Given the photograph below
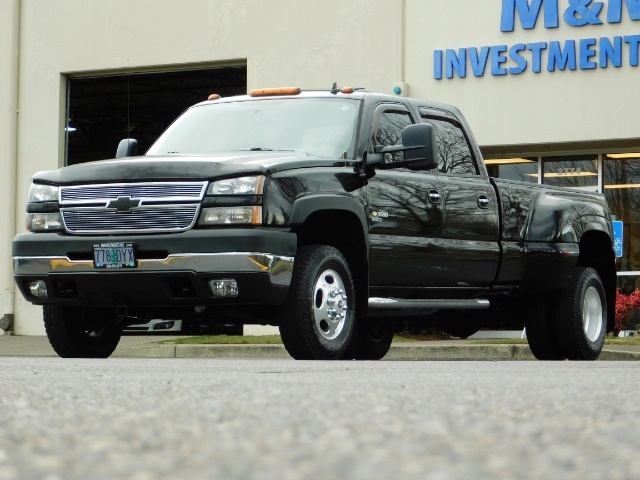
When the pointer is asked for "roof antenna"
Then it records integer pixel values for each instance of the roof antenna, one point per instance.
(128, 105)
(128, 147)
(334, 89)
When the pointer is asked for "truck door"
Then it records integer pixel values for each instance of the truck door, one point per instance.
(406, 213)
(471, 215)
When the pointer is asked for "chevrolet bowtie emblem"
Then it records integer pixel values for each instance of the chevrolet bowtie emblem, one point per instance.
(123, 204)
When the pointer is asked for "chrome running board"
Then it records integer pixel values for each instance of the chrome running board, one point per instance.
(409, 307)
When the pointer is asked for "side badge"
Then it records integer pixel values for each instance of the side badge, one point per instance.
(379, 215)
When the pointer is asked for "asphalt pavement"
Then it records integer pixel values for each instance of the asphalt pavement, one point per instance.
(276, 419)
(147, 346)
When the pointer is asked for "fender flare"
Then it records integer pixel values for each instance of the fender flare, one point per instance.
(563, 218)
(309, 204)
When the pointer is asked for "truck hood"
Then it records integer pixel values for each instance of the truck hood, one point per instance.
(174, 167)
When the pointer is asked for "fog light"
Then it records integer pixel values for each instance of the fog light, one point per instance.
(224, 288)
(38, 289)
(163, 326)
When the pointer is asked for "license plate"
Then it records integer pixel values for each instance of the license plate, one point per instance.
(114, 255)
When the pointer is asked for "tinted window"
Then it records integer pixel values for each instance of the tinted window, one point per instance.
(389, 132)
(454, 153)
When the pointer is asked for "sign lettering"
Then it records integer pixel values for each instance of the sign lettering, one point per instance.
(579, 54)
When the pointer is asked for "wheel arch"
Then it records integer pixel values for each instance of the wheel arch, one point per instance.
(558, 217)
(342, 225)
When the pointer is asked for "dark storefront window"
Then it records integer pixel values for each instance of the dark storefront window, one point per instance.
(622, 190)
(522, 169)
(573, 171)
(104, 109)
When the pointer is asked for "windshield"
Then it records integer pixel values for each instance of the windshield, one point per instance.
(318, 127)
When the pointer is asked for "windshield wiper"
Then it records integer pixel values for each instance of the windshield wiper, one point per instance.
(261, 149)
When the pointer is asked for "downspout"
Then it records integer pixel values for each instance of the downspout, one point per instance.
(9, 189)
(403, 46)
(402, 88)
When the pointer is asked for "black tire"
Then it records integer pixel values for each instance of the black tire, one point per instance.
(81, 333)
(581, 316)
(371, 339)
(541, 334)
(317, 321)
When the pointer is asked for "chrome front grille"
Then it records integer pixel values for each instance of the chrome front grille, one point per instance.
(131, 208)
(142, 191)
(145, 219)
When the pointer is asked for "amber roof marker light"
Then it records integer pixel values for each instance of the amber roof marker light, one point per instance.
(214, 96)
(335, 90)
(270, 92)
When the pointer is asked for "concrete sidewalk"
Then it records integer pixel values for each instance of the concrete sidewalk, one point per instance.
(145, 346)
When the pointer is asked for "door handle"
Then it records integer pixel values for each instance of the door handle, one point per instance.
(434, 197)
(483, 201)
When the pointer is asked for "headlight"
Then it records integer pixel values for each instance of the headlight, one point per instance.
(43, 193)
(44, 222)
(241, 207)
(237, 186)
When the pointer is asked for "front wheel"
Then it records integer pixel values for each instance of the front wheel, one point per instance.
(317, 321)
(581, 316)
(81, 332)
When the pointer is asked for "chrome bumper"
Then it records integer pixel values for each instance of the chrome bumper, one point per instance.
(279, 268)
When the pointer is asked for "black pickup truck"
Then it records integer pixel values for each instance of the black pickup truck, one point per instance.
(332, 214)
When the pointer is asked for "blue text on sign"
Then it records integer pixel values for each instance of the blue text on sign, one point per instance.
(580, 54)
(578, 13)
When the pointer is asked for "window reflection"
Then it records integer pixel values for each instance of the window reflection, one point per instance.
(390, 127)
(523, 169)
(454, 153)
(622, 190)
(574, 171)
(628, 283)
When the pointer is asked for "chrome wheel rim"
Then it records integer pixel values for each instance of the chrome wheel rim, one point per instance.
(330, 304)
(592, 314)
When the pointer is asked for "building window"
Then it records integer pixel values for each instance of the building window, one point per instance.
(522, 169)
(572, 171)
(104, 109)
(622, 190)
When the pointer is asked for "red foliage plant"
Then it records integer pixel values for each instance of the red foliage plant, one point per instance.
(624, 304)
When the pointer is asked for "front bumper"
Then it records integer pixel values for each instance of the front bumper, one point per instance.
(173, 269)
